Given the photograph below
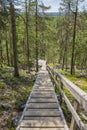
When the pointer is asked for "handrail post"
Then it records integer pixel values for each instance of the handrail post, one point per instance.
(73, 123)
(55, 77)
(61, 98)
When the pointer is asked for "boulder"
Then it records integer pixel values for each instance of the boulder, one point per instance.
(6, 106)
(22, 106)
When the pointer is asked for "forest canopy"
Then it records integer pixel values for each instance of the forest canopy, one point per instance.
(29, 33)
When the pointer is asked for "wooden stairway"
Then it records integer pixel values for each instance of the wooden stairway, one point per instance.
(42, 111)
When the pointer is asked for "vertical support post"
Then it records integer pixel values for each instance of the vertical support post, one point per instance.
(61, 99)
(55, 77)
(73, 123)
(52, 72)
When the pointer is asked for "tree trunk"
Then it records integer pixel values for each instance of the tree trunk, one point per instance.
(73, 44)
(11, 52)
(1, 57)
(36, 37)
(27, 35)
(43, 45)
(14, 39)
(7, 52)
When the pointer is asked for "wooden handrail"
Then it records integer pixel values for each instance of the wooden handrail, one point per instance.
(79, 95)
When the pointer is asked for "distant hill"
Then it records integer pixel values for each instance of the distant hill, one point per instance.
(52, 13)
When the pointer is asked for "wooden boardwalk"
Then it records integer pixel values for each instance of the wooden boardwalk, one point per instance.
(42, 111)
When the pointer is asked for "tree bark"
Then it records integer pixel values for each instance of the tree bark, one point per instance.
(1, 57)
(36, 37)
(27, 35)
(14, 39)
(73, 44)
(7, 52)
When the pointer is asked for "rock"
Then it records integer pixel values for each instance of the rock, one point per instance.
(22, 106)
(3, 77)
(6, 106)
(13, 101)
(16, 120)
(7, 113)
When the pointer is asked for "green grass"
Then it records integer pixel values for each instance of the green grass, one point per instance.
(78, 80)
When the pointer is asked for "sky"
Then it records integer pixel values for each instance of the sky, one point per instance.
(55, 4)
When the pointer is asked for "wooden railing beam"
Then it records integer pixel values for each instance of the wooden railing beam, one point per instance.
(79, 94)
(76, 92)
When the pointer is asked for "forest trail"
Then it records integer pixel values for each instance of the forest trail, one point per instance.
(42, 110)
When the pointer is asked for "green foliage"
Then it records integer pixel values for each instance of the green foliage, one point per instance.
(67, 113)
(2, 84)
(14, 91)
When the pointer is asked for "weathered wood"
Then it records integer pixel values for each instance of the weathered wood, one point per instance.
(42, 129)
(75, 115)
(43, 88)
(73, 123)
(43, 92)
(49, 100)
(42, 105)
(79, 94)
(70, 107)
(44, 112)
(43, 123)
(39, 95)
(43, 118)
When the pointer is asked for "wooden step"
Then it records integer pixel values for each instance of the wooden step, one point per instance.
(49, 100)
(44, 112)
(42, 128)
(36, 94)
(42, 118)
(41, 89)
(43, 123)
(42, 105)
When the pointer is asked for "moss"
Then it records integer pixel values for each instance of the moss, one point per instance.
(12, 128)
(9, 123)
(57, 90)
(76, 79)
(80, 82)
(2, 85)
(14, 91)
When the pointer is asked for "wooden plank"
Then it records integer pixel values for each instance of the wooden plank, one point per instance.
(36, 100)
(42, 123)
(42, 105)
(42, 118)
(44, 112)
(75, 115)
(45, 89)
(36, 95)
(42, 129)
(73, 122)
(43, 92)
